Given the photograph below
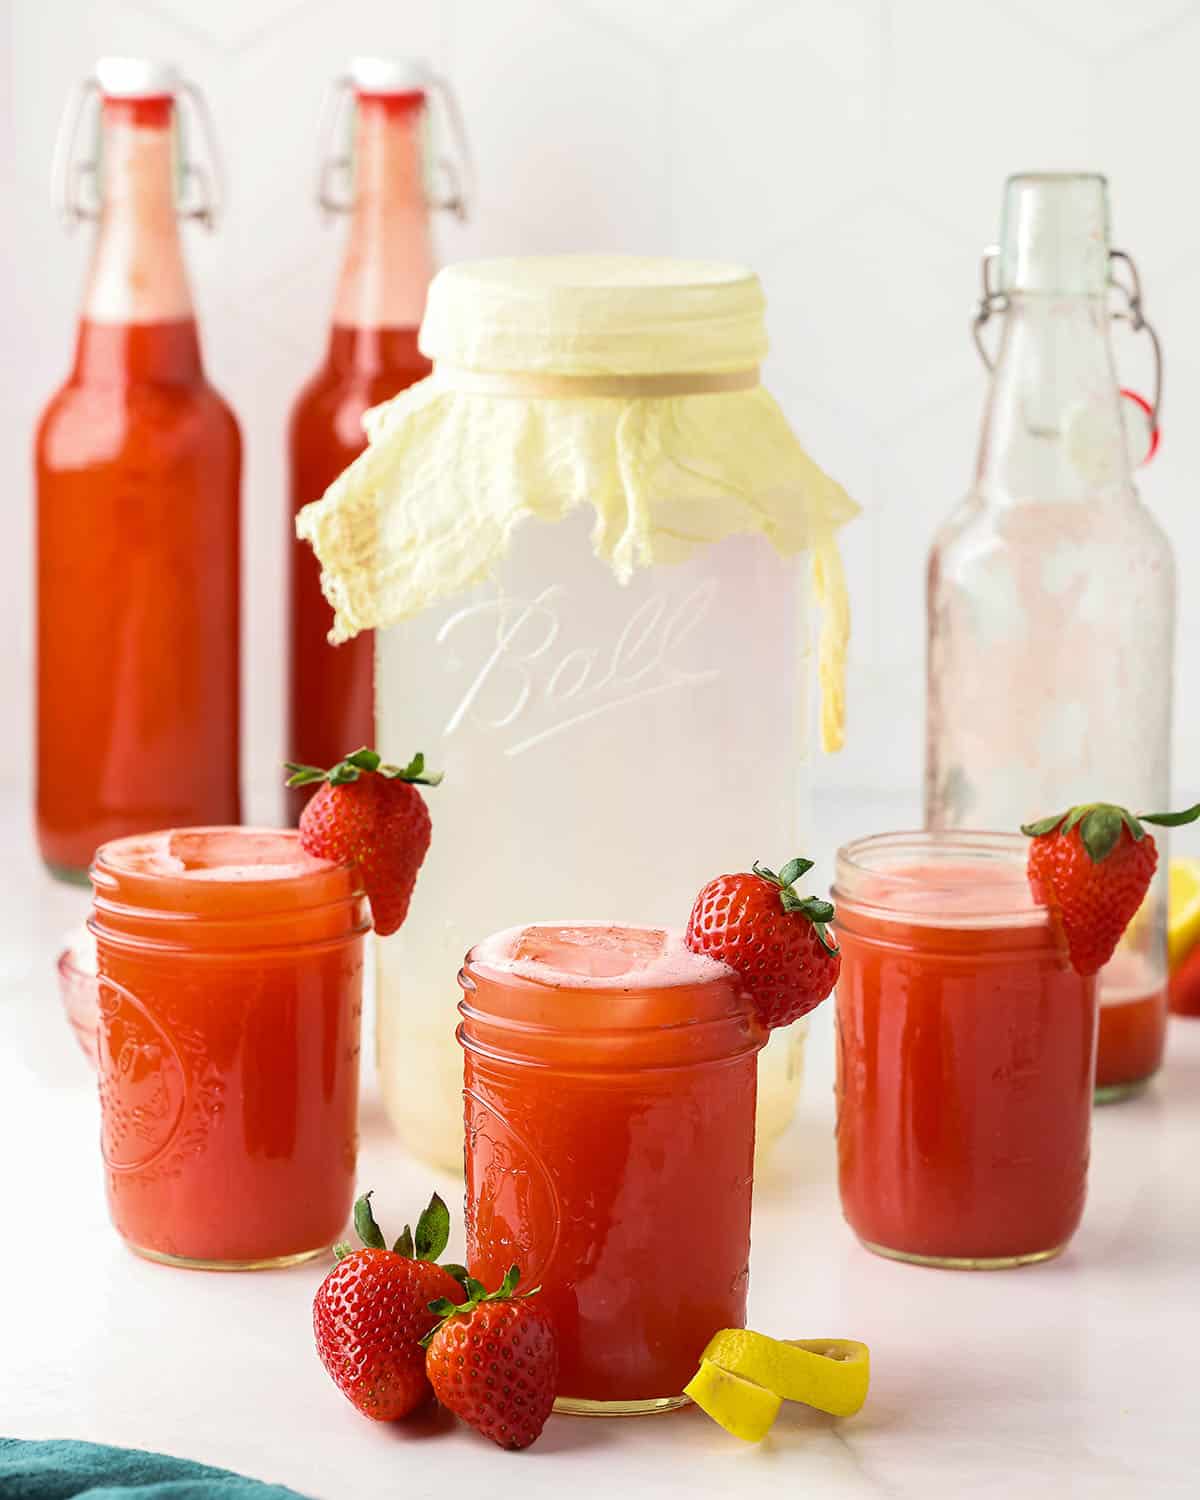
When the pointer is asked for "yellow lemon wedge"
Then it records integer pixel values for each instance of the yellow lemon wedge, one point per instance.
(740, 1406)
(1183, 909)
(830, 1374)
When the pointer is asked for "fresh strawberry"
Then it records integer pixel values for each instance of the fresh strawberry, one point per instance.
(493, 1361)
(1092, 866)
(370, 814)
(372, 1311)
(776, 939)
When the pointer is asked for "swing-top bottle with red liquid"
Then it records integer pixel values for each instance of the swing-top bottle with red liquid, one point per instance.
(372, 354)
(138, 463)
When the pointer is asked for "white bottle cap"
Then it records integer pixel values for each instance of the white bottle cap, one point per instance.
(136, 78)
(390, 75)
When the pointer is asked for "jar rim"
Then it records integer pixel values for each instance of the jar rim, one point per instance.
(115, 857)
(674, 967)
(672, 1012)
(921, 877)
(283, 885)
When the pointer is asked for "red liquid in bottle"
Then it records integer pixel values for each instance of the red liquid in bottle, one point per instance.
(138, 465)
(1133, 1025)
(372, 356)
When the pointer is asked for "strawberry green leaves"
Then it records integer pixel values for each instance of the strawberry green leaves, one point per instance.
(433, 1230)
(351, 767)
(365, 1226)
(431, 1237)
(1042, 826)
(1100, 825)
(1100, 828)
(1172, 820)
(477, 1293)
(817, 911)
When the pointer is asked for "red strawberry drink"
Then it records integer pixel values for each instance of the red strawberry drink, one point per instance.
(230, 992)
(966, 1054)
(610, 1088)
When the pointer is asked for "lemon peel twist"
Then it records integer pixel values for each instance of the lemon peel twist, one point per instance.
(744, 1378)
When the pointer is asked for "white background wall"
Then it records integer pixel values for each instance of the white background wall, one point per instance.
(852, 151)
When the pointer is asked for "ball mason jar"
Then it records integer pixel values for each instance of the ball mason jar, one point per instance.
(606, 748)
(582, 544)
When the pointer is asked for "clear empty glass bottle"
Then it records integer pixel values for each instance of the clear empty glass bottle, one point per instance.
(1051, 589)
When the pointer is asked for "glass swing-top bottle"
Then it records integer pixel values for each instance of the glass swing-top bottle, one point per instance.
(138, 467)
(1051, 589)
(380, 184)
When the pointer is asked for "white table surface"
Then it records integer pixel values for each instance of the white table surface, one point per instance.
(1078, 1378)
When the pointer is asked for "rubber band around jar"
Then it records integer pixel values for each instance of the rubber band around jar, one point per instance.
(531, 383)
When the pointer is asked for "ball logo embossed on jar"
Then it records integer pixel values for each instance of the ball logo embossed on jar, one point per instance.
(512, 1189)
(525, 668)
(142, 1082)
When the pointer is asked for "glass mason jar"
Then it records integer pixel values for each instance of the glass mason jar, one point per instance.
(1051, 589)
(966, 1047)
(609, 1082)
(598, 756)
(230, 990)
(579, 543)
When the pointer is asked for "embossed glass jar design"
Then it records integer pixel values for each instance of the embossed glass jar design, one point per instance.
(609, 1104)
(230, 992)
(580, 542)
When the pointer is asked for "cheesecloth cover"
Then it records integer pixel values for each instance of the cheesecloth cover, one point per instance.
(627, 384)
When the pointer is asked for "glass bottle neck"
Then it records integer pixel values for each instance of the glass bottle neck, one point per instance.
(388, 263)
(1053, 427)
(137, 273)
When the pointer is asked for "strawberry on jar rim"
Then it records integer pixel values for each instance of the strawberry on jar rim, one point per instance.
(493, 1361)
(1092, 867)
(370, 814)
(372, 1311)
(776, 940)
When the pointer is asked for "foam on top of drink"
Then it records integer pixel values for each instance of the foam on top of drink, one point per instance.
(597, 955)
(224, 854)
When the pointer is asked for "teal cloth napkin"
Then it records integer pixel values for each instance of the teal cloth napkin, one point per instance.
(62, 1469)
